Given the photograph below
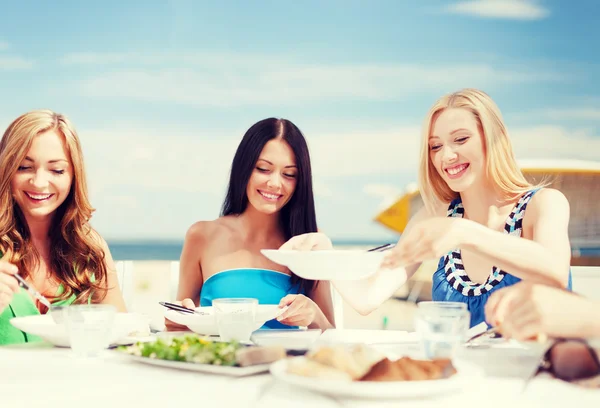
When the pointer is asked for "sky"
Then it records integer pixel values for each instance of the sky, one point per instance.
(161, 92)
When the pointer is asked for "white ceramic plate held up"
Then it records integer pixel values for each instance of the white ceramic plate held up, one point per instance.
(328, 264)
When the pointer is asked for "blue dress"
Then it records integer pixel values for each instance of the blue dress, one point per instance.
(266, 285)
(451, 282)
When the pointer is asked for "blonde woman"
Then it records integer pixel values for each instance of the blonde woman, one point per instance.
(45, 233)
(488, 226)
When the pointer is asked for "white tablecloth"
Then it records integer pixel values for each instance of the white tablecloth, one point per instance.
(44, 376)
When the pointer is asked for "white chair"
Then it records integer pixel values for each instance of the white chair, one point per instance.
(586, 281)
(125, 277)
(174, 280)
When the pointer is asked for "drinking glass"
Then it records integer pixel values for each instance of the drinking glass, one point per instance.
(442, 327)
(90, 328)
(235, 318)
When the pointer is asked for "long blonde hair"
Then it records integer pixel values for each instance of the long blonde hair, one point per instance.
(76, 257)
(501, 166)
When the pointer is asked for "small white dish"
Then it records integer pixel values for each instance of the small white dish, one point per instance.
(466, 375)
(290, 339)
(45, 327)
(205, 323)
(336, 265)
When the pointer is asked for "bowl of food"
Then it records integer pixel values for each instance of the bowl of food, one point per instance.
(203, 320)
(45, 326)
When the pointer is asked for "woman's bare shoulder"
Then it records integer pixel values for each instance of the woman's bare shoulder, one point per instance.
(203, 231)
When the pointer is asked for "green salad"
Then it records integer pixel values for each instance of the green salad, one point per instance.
(188, 348)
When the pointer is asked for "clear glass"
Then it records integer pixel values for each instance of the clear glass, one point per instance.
(442, 327)
(90, 328)
(235, 318)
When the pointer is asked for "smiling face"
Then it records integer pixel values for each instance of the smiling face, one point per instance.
(273, 180)
(43, 179)
(456, 148)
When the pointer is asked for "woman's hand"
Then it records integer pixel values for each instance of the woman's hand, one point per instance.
(429, 239)
(172, 326)
(308, 242)
(8, 284)
(525, 311)
(301, 311)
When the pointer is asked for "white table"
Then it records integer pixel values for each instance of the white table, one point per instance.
(44, 376)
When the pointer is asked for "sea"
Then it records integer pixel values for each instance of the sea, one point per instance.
(171, 250)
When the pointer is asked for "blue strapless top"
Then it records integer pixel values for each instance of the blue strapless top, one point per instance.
(266, 285)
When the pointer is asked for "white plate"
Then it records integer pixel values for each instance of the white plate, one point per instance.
(328, 264)
(45, 327)
(290, 339)
(206, 324)
(203, 368)
(379, 390)
(367, 336)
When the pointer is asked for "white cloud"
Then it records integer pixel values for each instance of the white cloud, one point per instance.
(14, 63)
(502, 9)
(233, 80)
(556, 142)
(382, 190)
(145, 159)
(198, 161)
(192, 162)
(4, 45)
(583, 113)
(382, 151)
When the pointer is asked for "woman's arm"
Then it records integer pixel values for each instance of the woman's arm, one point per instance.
(321, 295)
(113, 294)
(545, 258)
(368, 294)
(525, 310)
(190, 271)
(315, 312)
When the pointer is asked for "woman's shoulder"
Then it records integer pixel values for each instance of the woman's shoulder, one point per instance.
(548, 197)
(547, 204)
(202, 231)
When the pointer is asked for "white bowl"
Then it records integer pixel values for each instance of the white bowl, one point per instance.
(126, 324)
(206, 324)
(328, 264)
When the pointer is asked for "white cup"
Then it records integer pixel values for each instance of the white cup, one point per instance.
(442, 327)
(235, 318)
(89, 328)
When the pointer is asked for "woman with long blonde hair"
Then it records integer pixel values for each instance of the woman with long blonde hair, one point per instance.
(45, 235)
(488, 226)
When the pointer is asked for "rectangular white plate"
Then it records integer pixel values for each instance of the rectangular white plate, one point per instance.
(203, 368)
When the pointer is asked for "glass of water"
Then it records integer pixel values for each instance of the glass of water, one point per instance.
(442, 327)
(235, 318)
(90, 328)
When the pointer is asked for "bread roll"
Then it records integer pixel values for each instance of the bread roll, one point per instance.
(248, 356)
